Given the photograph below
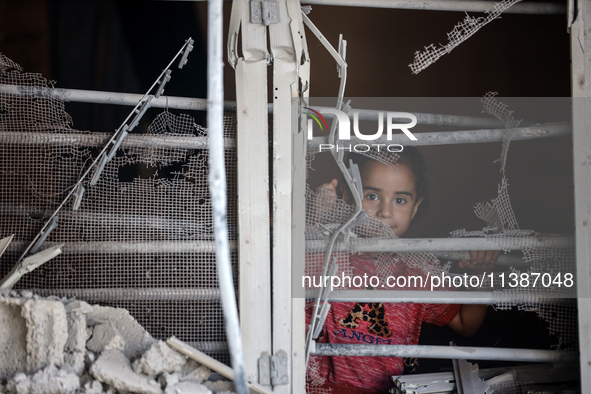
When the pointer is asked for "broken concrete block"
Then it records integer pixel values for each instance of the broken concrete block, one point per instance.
(47, 332)
(137, 339)
(50, 380)
(13, 340)
(199, 374)
(158, 359)
(187, 388)
(114, 369)
(105, 337)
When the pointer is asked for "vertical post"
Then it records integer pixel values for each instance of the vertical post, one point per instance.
(288, 47)
(217, 187)
(581, 91)
(253, 183)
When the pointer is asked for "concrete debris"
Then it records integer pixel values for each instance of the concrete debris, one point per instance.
(137, 340)
(158, 359)
(105, 337)
(114, 369)
(199, 374)
(13, 341)
(52, 345)
(50, 380)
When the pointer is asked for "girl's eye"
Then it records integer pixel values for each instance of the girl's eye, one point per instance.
(400, 201)
(372, 197)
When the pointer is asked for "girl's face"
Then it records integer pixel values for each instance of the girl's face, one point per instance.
(390, 194)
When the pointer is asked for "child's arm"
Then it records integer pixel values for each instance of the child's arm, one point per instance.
(470, 317)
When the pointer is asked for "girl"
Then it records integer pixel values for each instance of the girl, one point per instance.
(392, 194)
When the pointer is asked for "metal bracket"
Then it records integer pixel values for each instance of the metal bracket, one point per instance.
(264, 11)
(273, 369)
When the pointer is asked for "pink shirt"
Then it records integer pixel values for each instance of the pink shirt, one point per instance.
(375, 324)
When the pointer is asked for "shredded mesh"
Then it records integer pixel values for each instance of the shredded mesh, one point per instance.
(502, 222)
(325, 213)
(142, 238)
(460, 33)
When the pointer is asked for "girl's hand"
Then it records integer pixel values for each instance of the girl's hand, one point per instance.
(480, 260)
(325, 197)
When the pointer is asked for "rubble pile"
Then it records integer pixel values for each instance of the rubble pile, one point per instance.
(54, 346)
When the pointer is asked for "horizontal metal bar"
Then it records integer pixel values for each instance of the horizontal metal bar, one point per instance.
(354, 245)
(445, 297)
(166, 141)
(100, 97)
(449, 5)
(548, 130)
(443, 244)
(423, 118)
(99, 139)
(187, 103)
(108, 247)
(129, 294)
(444, 352)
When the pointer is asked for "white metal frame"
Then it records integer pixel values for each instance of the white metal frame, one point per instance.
(581, 92)
(284, 328)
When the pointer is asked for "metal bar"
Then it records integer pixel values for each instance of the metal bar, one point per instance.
(114, 98)
(98, 139)
(186, 103)
(108, 247)
(445, 297)
(129, 294)
(159, 141)
(217, 187)
(549, 130)
(354, 245)
(448, 5)
(423, 118)
(445, 352)
(443, 244)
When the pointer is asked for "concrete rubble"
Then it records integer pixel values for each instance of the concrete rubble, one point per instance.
(54, 346)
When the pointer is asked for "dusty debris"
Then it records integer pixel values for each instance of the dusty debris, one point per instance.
(105, 337)
(50, 380)
(51, 345)
(137, 340)
(114, 369)
(158, 359)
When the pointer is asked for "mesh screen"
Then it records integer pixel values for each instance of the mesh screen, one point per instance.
(142, 238)
(460, 33)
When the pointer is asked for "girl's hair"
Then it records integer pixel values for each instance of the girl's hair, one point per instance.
(413, 160)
